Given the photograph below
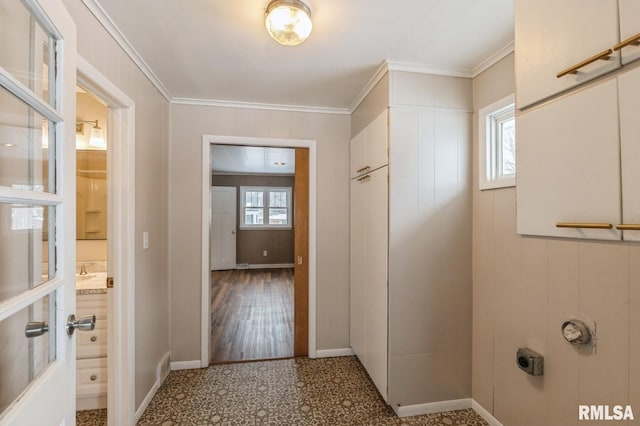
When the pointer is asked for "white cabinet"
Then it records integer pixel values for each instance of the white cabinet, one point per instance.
(368, 250)
(551, 36)
(577, 163)
(91, 354)
(629, 99)
(630, 29)
(369, 148)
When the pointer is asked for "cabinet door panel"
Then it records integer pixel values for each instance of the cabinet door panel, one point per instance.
(629, 95)
(358, 269)
(629, 27)
(357, 156)
(551, 36)
(377, 264)
(378, 142)
(569, 165)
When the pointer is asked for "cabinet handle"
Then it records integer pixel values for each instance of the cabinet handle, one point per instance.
(628, 227)
(364, 169)
(584, 225)
(366, 178)
(94, 378)
(604, 56)
(94, 338)
(635, 41)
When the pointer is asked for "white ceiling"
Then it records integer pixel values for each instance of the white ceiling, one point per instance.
(252, 160)
(220, 50)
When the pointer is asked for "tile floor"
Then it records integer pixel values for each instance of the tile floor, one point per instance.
(302, 391)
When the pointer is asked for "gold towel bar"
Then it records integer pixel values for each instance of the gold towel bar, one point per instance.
(635, 40)
(584, 225)
(628, 227)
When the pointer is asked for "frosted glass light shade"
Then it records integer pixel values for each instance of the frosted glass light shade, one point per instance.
(97, 138)
(288, 21)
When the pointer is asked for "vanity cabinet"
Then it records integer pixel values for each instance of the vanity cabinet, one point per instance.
(577, 163)
(552, 36)
(91, 354)
(369, 149)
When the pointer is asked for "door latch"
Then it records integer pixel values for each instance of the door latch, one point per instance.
(36, 328)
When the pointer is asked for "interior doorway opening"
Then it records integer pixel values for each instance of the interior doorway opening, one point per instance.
(257, 206)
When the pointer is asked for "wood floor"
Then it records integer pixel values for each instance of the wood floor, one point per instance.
(251, 314)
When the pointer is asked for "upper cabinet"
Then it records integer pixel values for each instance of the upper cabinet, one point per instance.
(369, 149)
(577, 163)
(629, 30)
(551, 37)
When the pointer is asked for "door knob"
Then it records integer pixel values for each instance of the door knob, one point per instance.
(233, 232)
(36, 328)
(87, 323)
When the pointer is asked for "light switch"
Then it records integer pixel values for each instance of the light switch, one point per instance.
(145, 240)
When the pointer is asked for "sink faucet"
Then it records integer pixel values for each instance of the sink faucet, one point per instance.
(83, 270)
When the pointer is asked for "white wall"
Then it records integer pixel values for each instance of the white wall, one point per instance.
(525, 287)
(151, 133)
(188, 124)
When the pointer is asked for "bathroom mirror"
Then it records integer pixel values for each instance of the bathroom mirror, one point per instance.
(91, 195)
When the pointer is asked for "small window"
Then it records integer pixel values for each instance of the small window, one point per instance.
(265, 207)
(497, 144)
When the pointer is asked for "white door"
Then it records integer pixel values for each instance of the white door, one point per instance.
(222, 239)
(37, 212)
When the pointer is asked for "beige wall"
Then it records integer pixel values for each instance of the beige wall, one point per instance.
(525, 287)
(188, 124)
(376, 101)
(151, 133)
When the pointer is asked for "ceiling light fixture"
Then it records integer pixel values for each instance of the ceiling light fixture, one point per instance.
(288, 21)
(96, 139)
(280, 163)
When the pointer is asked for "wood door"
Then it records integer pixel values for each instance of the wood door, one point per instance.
(223, 228)
(301, 252)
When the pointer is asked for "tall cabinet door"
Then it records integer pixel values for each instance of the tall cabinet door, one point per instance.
(569, 165)
(629, 98)
(551, 36)
(377, 277)
(358, 268)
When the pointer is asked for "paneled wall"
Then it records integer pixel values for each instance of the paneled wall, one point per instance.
(525, 287)
(251, 243)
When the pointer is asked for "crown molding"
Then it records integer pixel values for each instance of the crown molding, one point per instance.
(253, 105)
(105, 20)
(493, 59)
(382, 69)
(429, 69)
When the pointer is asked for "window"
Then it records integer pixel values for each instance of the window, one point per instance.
(265, 207)
(498, 144)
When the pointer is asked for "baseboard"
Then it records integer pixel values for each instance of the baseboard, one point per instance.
(185, 365)
(147, 400)
(268, 266)
(433, 407)
(331, 353)
(486, 415)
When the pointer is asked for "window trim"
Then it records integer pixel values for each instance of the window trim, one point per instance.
(487, 149)
(265, 190)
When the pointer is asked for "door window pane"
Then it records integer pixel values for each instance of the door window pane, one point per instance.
(26, 49)
(22, 359)
(26, 141)
(24, 248)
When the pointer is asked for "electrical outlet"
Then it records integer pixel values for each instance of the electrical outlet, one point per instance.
(145, 240)
(264, 253)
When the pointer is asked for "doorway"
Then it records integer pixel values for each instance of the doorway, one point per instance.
(120, 238)
(303, 261)
(252, 252)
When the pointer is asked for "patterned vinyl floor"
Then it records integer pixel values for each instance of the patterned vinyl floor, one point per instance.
(329, 391)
